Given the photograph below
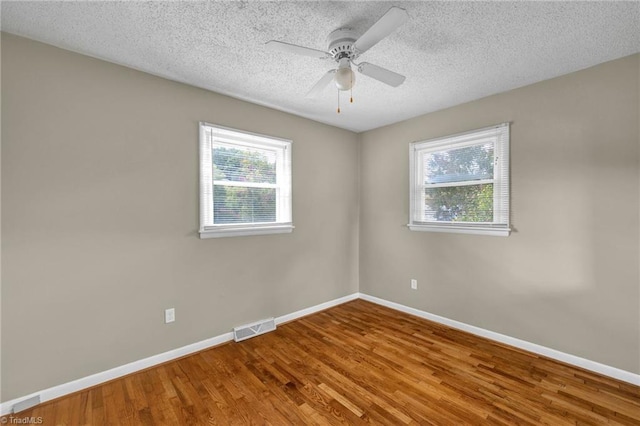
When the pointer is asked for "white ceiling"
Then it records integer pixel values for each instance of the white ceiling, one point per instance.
(451, 52)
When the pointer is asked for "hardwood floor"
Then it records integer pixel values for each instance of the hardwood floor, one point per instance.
(353, 364)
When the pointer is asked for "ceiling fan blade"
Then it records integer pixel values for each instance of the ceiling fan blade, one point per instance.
(381, 74)
(385, 26)
(321, 84)
(298, 50)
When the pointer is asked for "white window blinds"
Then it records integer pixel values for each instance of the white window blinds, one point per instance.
(460, 183)
(245, 183)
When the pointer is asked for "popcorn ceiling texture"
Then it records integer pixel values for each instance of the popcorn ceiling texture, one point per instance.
(451, 52)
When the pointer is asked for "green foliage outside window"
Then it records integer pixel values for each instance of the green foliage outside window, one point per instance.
(238, 204)
(465, 203)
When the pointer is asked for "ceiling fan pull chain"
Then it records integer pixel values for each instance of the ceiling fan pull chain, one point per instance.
(338, 101)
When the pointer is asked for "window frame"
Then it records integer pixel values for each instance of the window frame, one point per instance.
(213, 134)
(499, 135)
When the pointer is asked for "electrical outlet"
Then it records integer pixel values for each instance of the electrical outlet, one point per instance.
(414, 284)
(169, 315)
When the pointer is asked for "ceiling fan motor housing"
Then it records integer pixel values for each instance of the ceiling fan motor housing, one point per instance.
(341, 43)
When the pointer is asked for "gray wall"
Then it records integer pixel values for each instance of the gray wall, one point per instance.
(567, 278)
(100, 213)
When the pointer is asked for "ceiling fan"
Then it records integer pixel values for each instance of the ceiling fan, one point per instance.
(344, 48)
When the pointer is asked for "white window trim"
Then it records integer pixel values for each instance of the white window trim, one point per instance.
(500, 226)
(283, 185)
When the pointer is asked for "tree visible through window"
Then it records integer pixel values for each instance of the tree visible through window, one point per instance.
(241, 204)
(245, 183)
(466, 203)
(461, 182)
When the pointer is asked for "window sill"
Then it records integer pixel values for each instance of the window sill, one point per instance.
(477, 230)
(243, 231)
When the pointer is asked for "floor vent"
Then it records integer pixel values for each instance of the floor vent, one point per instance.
(254, 329)
(25, 404)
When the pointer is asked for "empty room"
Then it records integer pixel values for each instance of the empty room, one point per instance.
(289, 213)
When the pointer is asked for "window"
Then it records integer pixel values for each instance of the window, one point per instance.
(245, 183)
(460, 183)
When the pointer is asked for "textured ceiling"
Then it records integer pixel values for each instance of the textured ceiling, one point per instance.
(451, 52)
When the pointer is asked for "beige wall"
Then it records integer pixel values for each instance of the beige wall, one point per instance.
(567, 278)
(99, 219)
(100, 213)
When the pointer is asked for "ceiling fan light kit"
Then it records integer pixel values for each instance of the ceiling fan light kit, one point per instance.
(344, 48)
(345, 77)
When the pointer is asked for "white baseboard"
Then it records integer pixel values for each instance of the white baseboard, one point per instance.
(316, 308)
(597, 367)
(132, 367)
(114, 373)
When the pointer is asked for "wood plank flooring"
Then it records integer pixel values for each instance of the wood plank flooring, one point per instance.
(353, 364)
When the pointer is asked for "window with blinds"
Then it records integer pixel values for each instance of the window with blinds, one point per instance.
(245, 183)
(460, 183)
